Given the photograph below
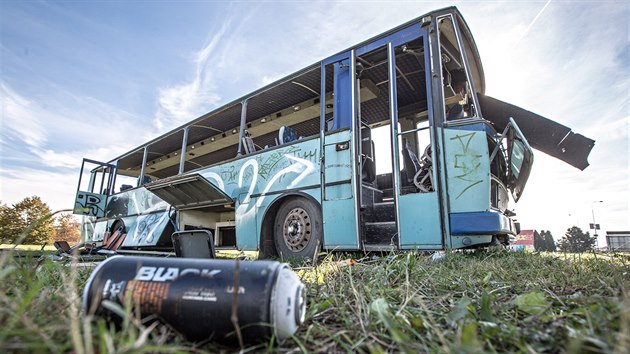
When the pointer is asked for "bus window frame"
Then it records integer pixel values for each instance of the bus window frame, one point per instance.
(463, 52)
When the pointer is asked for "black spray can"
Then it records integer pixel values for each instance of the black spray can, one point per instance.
(196, 297)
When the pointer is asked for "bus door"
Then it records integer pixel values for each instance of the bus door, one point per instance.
(413, 137)
(96, 182)
(340, 209)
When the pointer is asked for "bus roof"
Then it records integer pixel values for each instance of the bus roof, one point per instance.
(230, 113)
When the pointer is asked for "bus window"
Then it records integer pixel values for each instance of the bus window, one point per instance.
(414, 137)
(163, 156)
(128, 169)
(212, 138)
(329, 122)
(124, 183)
(285, 113)
(373, 96)
(457, 88)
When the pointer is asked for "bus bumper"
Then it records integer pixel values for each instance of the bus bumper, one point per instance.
(481, 223)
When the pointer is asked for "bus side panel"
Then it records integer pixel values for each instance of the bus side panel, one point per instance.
(288, 167)
(420, 221)
(88, 223)
(339, 220)
(246, 228)
(145, 229)
(468, 186)
(468, 170)
(98, 232)
(339, 205)
(144, 214)
(253, 181)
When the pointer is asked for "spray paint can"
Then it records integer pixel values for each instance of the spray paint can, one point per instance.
(196, 297)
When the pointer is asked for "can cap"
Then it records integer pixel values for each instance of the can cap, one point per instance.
(288, 304)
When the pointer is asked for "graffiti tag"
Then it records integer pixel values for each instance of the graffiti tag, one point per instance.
(467, 162)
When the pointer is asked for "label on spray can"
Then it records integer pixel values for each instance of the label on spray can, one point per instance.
(196, 297)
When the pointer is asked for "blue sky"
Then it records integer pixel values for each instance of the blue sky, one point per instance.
(95, 79)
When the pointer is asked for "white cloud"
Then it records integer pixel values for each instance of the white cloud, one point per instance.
(72, 159)
(181, 103)
(44, 139)
(21, 118)
(61, 129)
(56, 189)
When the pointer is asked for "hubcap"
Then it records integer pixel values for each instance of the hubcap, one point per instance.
(297, 229)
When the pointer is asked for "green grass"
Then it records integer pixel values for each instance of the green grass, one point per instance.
(463, 303)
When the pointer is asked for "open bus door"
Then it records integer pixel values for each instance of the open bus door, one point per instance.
(338, 159)
(418, 216)
(520, 158)
(92, 191)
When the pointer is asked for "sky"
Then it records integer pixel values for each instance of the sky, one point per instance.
(95, 79)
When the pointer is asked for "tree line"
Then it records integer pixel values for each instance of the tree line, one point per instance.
(30, 221)
(574, 241)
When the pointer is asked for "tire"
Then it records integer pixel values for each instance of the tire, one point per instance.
(298, 229)
(116, 225)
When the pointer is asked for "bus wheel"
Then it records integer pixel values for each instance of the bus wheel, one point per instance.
(298, 229)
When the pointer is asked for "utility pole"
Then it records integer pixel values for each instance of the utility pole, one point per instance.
(595, 226)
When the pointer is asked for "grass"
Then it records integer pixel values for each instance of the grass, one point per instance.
(462, 303)
(48, 248)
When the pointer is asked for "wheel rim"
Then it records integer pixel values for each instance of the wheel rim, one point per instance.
(296, 229)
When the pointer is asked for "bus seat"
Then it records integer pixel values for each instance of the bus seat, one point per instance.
(410, 161)
(455, 112)
(287, 135)
(144, 180)
(114, 238)
(368, 167)
(193, 244)
(125, 187)
(248, 143)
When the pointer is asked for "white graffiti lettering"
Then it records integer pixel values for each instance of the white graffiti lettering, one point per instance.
(163, 274)
(215, 176)
(299, 166)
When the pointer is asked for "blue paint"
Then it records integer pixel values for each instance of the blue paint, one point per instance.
(481, 223)
(420, 221)
(339, 205)
(340, 231)
(400, 37)
(342, 107)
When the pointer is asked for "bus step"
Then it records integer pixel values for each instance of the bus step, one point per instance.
(381, 212)
(381, 248)
(380, 233)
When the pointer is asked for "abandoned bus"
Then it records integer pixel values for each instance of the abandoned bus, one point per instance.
(390, 144)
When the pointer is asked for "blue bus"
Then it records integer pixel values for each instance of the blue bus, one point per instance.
(390, 144)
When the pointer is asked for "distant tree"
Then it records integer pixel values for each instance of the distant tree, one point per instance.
(550, 245)
(30, 218)
(66, 229)
(575, 240)
(539, 242)
(10, 224)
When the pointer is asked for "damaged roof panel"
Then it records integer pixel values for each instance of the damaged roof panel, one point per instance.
(543, 134)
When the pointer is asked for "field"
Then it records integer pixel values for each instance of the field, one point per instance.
(492, 301)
